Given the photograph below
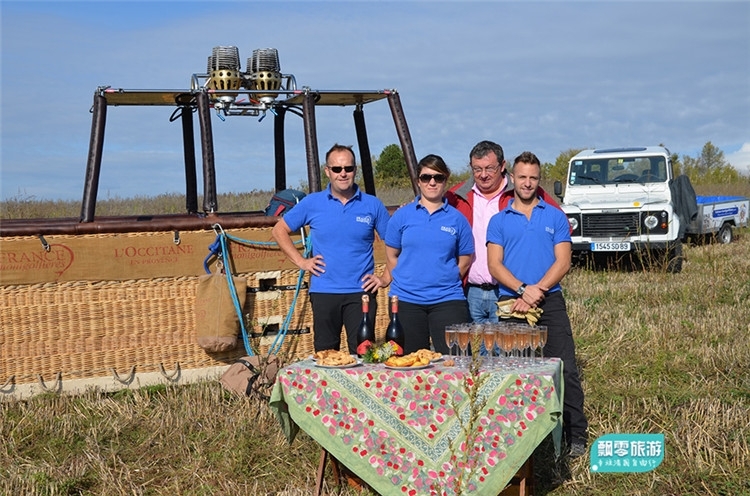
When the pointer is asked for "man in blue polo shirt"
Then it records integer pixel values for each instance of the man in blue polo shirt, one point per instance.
(529, 252)
(342, 221)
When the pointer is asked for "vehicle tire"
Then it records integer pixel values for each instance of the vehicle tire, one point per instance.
(725, 234)
(674, 262)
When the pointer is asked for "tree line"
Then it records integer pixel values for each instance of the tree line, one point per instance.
(708, 167)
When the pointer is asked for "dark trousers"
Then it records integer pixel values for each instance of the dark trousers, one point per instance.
(560, 344)
(332, 311)
(425, 323)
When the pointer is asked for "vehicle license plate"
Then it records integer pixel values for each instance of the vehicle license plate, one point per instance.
(610, 246)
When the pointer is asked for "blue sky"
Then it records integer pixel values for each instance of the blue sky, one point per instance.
(540, 76)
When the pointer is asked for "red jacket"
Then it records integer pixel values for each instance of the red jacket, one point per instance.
(461, 196)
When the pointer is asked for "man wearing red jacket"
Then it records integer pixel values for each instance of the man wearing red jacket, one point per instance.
(478, 199)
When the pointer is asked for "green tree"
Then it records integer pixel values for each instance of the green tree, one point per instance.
(677, 165)
(710, 167)
(558, 170)
(390, 167)
(711, 157)
(689, 166)
(459, 176)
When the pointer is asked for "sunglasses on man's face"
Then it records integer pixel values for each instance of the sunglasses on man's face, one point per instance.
(337, 170)
(426, 178)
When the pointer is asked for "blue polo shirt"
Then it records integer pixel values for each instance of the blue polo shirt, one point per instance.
(528, 245)
(343, 234)
(427, 269)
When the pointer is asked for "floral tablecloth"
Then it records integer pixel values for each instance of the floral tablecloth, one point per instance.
(405, 432)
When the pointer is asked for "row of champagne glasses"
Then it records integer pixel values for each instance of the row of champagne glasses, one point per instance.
(502, 339)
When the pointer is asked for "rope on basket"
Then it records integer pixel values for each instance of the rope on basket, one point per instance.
(219, 249)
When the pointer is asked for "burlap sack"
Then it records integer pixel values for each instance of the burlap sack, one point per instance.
(216, 322)
(252, 376)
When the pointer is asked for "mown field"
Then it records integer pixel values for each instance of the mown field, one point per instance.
(658, 352)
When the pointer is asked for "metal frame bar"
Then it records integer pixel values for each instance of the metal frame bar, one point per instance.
(201, 101)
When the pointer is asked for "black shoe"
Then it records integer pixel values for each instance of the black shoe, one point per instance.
(577, 450)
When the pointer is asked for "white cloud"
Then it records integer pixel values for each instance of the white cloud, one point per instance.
(740, 159)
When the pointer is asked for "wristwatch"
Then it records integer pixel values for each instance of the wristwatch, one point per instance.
(521, 289)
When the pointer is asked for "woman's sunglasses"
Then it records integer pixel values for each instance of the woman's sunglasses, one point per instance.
(337, 170)
(439, 178)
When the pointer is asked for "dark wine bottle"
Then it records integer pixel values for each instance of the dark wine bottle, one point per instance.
(366, 331)
(395, 333)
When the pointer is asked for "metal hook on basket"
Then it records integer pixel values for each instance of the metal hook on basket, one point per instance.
(174, 375)
(128, 380)
(45, 245)
(218, 229)
(56, 387)
(10, 382)
(176, 238)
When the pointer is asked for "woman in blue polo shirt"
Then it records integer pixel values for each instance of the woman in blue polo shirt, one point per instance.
(429, 247)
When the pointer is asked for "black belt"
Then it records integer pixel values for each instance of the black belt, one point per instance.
(485, 286)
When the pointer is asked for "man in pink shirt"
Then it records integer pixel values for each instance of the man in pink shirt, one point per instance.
(478, 199)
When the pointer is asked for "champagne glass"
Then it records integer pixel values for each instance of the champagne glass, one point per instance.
(496, 327)
(500, 328)
(542, 339)
(462, 337)
(526, 343)
(506, 338)
(488, 335)
(534, 332)
(450, 337)
(517, 342)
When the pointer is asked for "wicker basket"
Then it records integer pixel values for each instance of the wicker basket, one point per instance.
(87, 329)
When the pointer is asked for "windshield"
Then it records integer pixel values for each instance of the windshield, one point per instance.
(618, 170)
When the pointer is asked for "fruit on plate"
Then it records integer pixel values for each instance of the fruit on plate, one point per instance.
(379, 353)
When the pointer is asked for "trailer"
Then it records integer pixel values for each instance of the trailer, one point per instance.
(718, 216)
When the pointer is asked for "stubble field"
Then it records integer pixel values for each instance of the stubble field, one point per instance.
(658, 352)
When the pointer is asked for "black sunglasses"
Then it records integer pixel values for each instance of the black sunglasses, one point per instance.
(439, 178)
(337, 170)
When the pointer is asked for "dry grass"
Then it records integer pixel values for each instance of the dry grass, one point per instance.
(29, 208)
(187, 440)
(658, 352)
(669, 353)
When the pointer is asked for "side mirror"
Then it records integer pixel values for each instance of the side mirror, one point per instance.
(558, 189)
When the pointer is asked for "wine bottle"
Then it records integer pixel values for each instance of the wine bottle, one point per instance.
(366, 331)
(395, 333)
